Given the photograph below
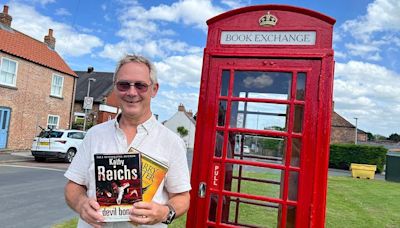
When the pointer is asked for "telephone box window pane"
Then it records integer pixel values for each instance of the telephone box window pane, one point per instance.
(225, 82)
(259, 116)
(221, 113)
(219, 142)
(298, 118)
(251, 213)
(296, 148)
(262, 84)
(212, 215)
(258, 148)
(301, 86)
(253, 180)
(293, 183)
(291, 217)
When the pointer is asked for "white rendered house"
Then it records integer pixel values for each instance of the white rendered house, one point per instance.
(184, 119)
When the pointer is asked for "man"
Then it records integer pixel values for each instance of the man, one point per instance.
(135, 84)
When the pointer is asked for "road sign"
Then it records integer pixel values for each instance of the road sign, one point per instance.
(88, 103)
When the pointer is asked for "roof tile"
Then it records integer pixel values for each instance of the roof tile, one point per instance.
(18, 44)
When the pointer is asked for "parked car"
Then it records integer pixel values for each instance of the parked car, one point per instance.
(57, 144)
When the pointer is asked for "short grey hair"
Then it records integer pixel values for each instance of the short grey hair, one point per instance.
(137, 59)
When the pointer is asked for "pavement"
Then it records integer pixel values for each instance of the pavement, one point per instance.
(21, 156)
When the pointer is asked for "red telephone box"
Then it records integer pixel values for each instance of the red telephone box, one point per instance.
(262, 136)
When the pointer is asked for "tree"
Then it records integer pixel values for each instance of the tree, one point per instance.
(182, 131)
(394, 137)
(370, 136)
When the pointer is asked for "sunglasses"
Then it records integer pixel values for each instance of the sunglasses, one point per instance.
(124, 86)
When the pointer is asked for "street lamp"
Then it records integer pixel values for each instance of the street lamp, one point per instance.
(355, 140)
(87, 104)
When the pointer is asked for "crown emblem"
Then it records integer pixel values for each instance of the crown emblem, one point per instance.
(268, 20)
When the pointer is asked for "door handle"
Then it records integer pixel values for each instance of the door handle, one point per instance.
(202, 190)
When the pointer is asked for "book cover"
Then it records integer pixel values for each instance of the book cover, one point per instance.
(118, 184)
(153, 173)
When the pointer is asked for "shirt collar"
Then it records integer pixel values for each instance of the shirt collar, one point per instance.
(146, 126)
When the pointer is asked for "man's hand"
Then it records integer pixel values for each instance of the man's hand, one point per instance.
(89, 212)
(76, 198)
(148, 213)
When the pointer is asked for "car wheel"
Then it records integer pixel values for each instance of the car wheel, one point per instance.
(70, 155)
(40, 159)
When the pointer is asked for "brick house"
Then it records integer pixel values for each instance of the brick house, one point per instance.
(36, 86)
(342, 131)
(105, 105)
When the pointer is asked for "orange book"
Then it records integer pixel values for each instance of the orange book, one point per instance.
(153, 173)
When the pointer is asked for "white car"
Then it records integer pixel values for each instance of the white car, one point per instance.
(57, 144)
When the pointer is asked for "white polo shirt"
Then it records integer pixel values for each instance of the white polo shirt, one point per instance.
(152, 138)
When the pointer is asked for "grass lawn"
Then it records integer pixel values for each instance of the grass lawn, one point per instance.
(351, 203)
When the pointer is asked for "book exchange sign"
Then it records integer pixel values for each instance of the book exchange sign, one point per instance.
(268, 37)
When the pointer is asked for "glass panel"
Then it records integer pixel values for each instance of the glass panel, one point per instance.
(4, 120)
(219, 142)
(296, 148)
(293, 183)
(301, 86)
(225, 83)
(298, 118)
(222, 113)
(251, 213)
(253, 180)
(259, 116)
(291, 217)
(259, 148)
(260, 84)
(212, 215)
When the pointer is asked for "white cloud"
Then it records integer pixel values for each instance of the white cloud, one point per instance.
(382, 15)
(233, 4)
(369, 92)
(62, 12)
(188, 12)
(180, 71)
(166, 102)
(68, 40)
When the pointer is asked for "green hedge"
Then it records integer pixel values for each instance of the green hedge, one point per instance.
(342, 155)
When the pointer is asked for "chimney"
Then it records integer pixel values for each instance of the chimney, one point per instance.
(181, 108)
(190, 113)
(5, 19)
(90, 69)
(50, 40)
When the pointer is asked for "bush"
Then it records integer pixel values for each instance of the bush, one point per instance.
(342, 155)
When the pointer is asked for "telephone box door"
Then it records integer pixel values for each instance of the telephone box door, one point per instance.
(257, 143)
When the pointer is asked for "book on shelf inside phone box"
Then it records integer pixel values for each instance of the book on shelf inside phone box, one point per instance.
(153, 173)
(118, 184)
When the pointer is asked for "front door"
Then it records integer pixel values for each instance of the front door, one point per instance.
(253, 157)
(4, 122)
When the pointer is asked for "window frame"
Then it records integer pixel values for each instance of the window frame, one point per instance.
(53, 88)
(48, 122)
(15, 73)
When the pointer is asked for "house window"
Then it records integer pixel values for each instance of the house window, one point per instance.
(8, 72)
(52, 122)
(57, 85)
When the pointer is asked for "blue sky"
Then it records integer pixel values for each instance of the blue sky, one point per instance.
(173, 33)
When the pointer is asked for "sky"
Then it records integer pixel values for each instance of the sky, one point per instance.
(173, 34)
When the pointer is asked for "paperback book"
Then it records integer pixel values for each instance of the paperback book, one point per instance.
(153, 173)
(118, 184)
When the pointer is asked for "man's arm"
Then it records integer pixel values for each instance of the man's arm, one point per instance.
(77, 200)
(180, 202)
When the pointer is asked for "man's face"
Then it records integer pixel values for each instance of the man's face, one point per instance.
(135, 100)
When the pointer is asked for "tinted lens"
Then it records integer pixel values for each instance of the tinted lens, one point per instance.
(123, 86)
(141, 87)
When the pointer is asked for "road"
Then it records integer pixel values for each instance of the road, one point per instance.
(32, 194)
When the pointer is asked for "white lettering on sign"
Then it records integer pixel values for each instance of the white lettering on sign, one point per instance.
(216, 174)
(269, 37)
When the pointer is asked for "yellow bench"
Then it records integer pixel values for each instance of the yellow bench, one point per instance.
(363, 171)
